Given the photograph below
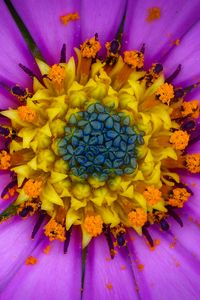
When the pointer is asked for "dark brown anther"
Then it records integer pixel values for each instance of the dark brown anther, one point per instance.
(107, 233)
(164, 225)
(147, 235)
(66, 242)
(174, 74)
(175, 216)
(158, 68)
(38, 224)
(63, 54)
(9, 186)
(142, 48)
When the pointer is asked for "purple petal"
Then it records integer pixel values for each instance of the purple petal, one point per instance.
(55, 276)
(102, 17)
(15, 246)
(42, 19)
(188, 55)
(169, 271)
(158, 35)
(13, 51)
(106, 278)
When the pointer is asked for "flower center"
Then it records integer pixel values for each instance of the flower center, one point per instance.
(99, 142)
(91, 148)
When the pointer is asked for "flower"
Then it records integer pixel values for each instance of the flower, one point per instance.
(96, 144)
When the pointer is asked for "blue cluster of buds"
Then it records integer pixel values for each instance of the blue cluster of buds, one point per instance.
(99, 142)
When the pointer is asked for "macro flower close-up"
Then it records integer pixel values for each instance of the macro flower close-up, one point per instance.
(99, 157)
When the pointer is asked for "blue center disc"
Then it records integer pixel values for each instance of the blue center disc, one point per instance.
(100, 143)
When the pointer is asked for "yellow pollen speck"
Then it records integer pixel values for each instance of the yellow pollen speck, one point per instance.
(90, 48)
(176, 42)
(141, 267)
(65, 19)
(31, 260)
(54, 231)
(138, 217)
(152, 195)
(26, 113)
(33, 188)
(47, 249)
(4, 160)
(93, 225)
(109, 286)
(193, 162)
(190, 109)
(57, 75)
(134, 59)
(179, 197)
(179, 139)
(165, 93)
(153, 14)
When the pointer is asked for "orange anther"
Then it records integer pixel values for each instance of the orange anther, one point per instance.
(179, 139)
(93, 225)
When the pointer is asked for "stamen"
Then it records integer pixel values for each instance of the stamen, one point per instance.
(107, 233)
(90, 48)
(63, 54)
(193, 162)
(179, 139)
(188, 125)
(174, 74)
(38, 224)
(93, 225)
(152, 195)
(137, 217)
(67, 240)
(165, 93)
(190, 109)
(54, 231)
(179, 197)
(113, 49)
(27, 71)
(175, 216)
(9, 190)
(148, 236)
(134, 59)
(69, 17)
(120, 236)
(27, 114)
(33, 188)
(6, 131)
(164, 225)
(4, 160)
(57, 75)
(27, 208)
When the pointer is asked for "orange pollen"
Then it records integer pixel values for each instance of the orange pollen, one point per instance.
(33, 188)
(31, 260)
(179, 197)
(190, 109)
(141, 267)
(26, 113)
(69, 17)
(193, 162)
(179, 139)
(57, 75)
(134, 59)
(153, 14)
(165, 93)
(4, 160)
(93, 225)
(152, 195)
(54, 231)
(137, 217)
(90, 48)
(11, 192)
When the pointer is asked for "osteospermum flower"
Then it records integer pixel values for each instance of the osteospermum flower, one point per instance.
(99, 150)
